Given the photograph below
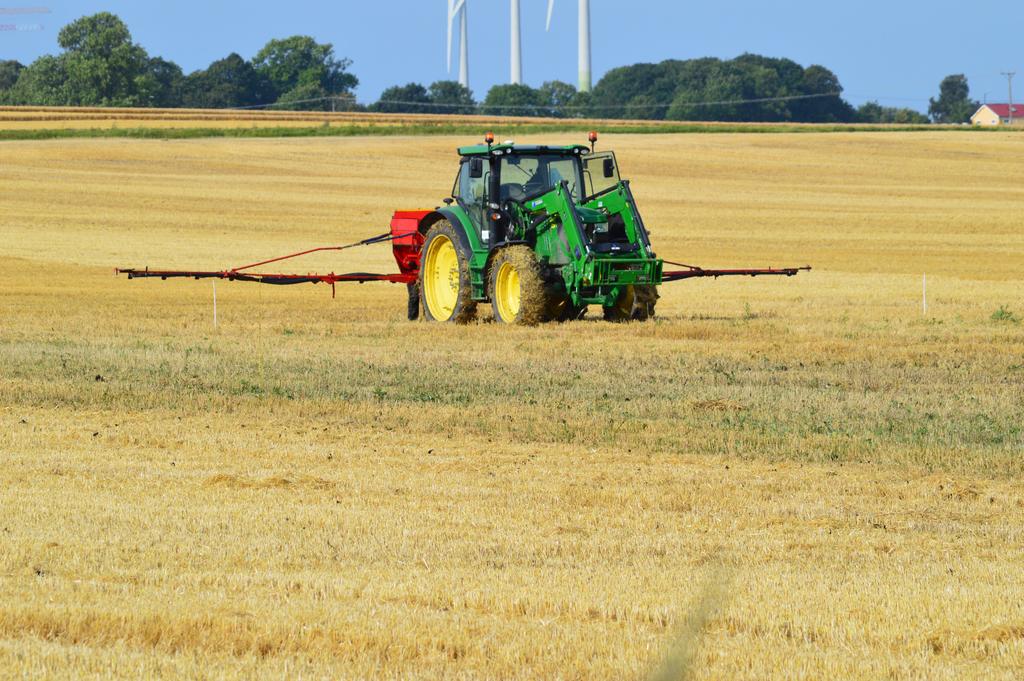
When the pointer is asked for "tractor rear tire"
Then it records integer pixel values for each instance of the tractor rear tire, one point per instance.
(444, 281)
(517, 288)
(635, 303)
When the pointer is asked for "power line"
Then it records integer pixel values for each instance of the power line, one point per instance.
(347, 100)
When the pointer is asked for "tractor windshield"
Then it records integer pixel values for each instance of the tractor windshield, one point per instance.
(523, 176)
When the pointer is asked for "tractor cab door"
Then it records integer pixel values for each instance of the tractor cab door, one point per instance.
(600, 172)
(623, 231)
(471, 191)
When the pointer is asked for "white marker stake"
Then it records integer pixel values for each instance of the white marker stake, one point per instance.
(924, 294)
(215, 304)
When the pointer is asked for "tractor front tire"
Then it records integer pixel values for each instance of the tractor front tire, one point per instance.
(444, 282)
(517, 288)
(635, 303)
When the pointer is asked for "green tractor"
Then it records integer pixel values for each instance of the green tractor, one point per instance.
(540, 232)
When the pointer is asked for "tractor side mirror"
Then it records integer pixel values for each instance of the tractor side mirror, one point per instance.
(476, 168)
(609, 168)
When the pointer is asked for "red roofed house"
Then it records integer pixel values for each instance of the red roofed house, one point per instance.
(998, 114)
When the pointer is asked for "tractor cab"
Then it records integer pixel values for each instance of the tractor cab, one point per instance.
(493, 180)
(499, 186)
(522, 175)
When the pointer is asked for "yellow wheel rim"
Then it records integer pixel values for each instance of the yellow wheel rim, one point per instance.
(507, 292)
(441, 278)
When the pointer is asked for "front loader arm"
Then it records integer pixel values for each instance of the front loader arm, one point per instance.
(557, 203)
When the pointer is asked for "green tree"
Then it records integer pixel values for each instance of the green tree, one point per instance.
(451, 97)
(557, 97)
(817, 80)
(9, 71)
(758, 80)
(101, 61)
(907, 116)
(411, 98)
(306, 97)
(581, 106)
(513, 100)
(713, 102)
(870, 112)
(636, 91)
(228, 82)
(160, 84)
(100, 66)
(301, 62)
(873, 112)
(712, 89)
(769, 79)
(41, 83)
(954, 104)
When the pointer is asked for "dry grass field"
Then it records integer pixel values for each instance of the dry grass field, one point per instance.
(318, 488)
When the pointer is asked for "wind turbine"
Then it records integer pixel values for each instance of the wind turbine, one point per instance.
(584, 41)
(517, 44)
(459, 7)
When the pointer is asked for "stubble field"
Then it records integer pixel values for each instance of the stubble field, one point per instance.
(828, 476)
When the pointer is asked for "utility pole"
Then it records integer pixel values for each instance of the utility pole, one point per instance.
(1009, 84)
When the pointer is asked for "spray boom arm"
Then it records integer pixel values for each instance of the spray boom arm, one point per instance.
(692, 271)
(406, 243)
(405, 238)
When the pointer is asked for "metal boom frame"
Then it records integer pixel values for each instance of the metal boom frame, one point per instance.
(406, 276)
(239, 273)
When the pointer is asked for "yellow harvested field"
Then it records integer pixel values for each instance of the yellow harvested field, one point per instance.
(823, 475)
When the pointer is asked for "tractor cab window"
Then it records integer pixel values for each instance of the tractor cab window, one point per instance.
(470, 190)
(523, 176)
(600, 172)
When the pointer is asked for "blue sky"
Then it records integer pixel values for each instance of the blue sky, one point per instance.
(895, 52)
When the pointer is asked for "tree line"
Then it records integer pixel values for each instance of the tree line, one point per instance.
(100, 65)
(748, 88)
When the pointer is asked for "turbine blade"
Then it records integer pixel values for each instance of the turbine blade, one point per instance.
(551, 7)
